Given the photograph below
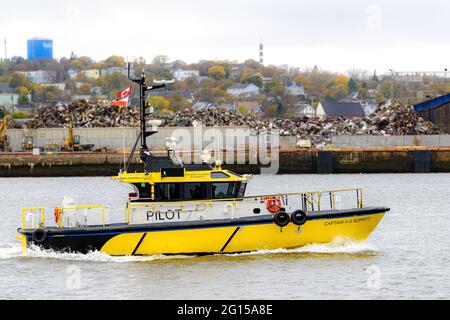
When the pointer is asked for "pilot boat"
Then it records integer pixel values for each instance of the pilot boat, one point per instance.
(178, 208)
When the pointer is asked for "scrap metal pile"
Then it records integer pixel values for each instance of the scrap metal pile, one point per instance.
(389, 119)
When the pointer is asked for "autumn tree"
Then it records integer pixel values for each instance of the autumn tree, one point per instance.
(159, 103)
(114, 61)
(217, 72)
(254, 79)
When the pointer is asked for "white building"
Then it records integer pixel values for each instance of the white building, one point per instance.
(181, 75)
(245, 90)
(295, 89)
(39, 76)
(306, 110)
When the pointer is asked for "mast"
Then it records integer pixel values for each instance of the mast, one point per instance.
(143, 88)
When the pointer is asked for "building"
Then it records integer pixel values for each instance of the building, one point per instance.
(436, 110)
(329, 109)
(5, 88)
(39, 48)
(60, 86)
(181, 75)
(40, 76)
(7, 100)
(294, 88)
(243, 90)
(111, 70)
(91, 73)
(305, 110)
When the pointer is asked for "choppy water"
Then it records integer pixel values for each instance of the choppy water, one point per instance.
(406, 257)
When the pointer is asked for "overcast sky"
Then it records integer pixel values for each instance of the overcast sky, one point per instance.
(334, 35)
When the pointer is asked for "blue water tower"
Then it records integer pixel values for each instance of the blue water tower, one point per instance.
(40, 48)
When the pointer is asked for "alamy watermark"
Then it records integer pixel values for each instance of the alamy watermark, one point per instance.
(373, 21)
(73, 281)
(374, 279)
(229, 146)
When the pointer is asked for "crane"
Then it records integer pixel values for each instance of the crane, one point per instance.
(4, 143)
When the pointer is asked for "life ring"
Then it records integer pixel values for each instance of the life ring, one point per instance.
(39, 235)
(273, 204)
(299, 217)
(281, 219)
(56, 213)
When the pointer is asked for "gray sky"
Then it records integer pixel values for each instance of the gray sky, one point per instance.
(335, 35)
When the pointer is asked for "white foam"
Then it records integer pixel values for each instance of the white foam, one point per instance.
(13, 251)
(337, 246)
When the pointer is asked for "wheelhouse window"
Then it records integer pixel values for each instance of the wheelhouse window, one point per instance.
(224, 190)
(241, 190)
(219, 175)
(167, 191)
(195, 191)
(143, 190)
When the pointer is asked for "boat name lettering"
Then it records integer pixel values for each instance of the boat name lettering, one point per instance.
(164, 215)
(346, 221)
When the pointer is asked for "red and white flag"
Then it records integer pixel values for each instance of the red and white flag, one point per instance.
(122, 98)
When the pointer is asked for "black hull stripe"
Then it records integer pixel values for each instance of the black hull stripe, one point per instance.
(229, 239)
(258, 220)
(139, 243)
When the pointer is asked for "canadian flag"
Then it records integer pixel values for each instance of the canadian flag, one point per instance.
(122, 98)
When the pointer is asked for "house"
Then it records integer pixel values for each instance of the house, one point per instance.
(40, 76)
(60, 86)
(305, 110)
(294, 88)
(8, 99)
(5, 88)
(181, 75)
(236, 70)
(330, 109)
(243, 90)
(97, 91)
(111, 70)
(91, 73)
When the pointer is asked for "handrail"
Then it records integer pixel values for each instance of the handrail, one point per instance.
(311, 201)
(74, 208)
(41, 216)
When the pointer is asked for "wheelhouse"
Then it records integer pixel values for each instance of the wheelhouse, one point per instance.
(166, 186)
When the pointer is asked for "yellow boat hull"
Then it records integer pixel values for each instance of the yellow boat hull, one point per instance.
(232, 239)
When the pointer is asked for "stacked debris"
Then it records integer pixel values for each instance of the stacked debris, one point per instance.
(389, 119)
(84, 114)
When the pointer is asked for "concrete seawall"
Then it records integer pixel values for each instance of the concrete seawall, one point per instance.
(381, 160)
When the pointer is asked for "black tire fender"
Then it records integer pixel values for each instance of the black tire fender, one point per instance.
(39, 236)
(299, 217)
(281, 219)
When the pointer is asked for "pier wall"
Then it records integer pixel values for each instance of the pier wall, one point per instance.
(119, 138)
(290, 162)
(390, 141)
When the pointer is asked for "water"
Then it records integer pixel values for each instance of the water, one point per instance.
(405, 258)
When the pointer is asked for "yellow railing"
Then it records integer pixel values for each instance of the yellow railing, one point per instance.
(75, 208)
(312, 201)
(26, 211)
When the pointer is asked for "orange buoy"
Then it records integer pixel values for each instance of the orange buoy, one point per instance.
(273, 204)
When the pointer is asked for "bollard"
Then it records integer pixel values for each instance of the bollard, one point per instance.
(324, 162)
(422, 161)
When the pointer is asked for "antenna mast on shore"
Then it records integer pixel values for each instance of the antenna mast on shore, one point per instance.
(6, 52)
